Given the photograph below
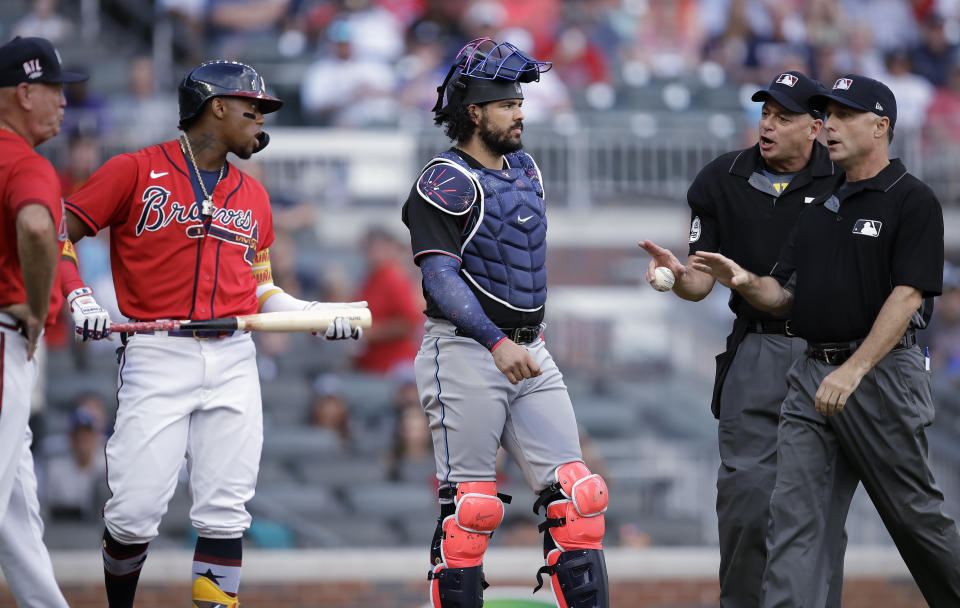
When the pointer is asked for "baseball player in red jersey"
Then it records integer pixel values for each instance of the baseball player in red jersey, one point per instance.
(31, 218)
(189, 239)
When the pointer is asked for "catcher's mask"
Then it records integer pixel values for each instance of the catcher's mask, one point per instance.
(222, 78)
(485, 71)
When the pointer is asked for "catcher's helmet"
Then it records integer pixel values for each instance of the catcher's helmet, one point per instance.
(222, 78)
(486, 71)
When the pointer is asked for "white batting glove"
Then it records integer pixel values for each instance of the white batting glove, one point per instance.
(89, 318)
(340, 329)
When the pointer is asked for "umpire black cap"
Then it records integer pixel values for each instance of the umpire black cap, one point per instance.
(860, 93)
(222, 78)
(32, 60)
(792, 90)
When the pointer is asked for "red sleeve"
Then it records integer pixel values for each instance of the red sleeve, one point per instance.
(266, 230)
(69, 273)
(34, 182)
(104, 200)
(266, 235)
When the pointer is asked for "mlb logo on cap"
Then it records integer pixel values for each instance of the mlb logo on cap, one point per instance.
(791, 90)
(787, 79)
(868, 96)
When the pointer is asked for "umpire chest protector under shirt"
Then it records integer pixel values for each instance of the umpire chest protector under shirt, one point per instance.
(494, 221)
(850, 249)
(738, 211)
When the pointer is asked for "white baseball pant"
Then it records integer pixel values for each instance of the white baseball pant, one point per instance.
(184, 396)
(23, 556)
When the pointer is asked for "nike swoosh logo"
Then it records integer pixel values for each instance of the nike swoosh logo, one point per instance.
(155, 174)
(523, 219)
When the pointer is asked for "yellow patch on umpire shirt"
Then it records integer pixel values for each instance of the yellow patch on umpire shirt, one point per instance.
(780, 186)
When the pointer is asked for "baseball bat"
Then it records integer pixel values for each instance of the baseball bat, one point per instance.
(299, 320)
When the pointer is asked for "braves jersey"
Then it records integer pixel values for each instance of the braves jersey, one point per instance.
(26, 178)
(168, 260)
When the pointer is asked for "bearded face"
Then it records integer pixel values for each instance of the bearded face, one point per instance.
(501, 125)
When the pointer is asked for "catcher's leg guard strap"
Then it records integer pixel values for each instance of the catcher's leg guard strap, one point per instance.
(467, 532)
(456, 587)
(578, 578)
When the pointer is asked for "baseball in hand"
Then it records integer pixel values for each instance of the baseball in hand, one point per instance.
(663, 278)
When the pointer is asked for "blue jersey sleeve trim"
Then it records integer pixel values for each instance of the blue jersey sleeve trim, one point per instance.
(440, 251)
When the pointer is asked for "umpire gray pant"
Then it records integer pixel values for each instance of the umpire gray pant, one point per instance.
(753, 393)
(880, 431)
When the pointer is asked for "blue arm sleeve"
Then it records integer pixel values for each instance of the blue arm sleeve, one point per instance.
(441, 279)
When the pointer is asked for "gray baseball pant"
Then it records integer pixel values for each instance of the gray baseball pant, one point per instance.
(473, 410)
(880, 433)
(753, 392)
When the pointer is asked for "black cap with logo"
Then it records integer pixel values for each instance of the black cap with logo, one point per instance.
(792, 90)
(860, 93)
(32, 60)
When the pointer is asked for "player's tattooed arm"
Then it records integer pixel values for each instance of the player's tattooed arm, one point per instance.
(441, 279)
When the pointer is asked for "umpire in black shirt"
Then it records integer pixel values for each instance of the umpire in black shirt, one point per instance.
(744, 204)
(858, 275)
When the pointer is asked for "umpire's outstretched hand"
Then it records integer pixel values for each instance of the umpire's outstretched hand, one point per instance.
(727, 272)
(662, 257)
(515, 362)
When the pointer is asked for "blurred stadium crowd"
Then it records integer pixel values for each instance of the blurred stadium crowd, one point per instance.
(359, 63)
(343, 427)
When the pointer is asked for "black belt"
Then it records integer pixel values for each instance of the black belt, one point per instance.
(200, 334)
(771, 327)
(520, 335)
(835, 353)
(15, 324)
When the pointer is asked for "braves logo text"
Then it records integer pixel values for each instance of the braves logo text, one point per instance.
(234, 226)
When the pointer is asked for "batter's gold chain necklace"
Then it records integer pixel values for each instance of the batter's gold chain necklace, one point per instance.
(207, 207)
